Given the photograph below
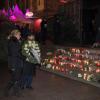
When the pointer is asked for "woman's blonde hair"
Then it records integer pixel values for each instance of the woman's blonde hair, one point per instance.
(13, 33)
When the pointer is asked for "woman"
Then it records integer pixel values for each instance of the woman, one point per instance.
(15, 61)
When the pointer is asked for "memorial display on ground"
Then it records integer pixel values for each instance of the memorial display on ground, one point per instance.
(80, 64)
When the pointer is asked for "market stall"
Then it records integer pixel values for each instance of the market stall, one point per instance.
(82, 64)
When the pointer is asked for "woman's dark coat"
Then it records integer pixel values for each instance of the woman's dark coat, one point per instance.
(14, 53)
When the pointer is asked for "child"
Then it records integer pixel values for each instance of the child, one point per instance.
(30, 62)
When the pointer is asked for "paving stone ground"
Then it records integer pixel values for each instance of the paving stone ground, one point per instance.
(51, 87)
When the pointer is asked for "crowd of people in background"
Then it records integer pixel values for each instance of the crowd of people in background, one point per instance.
(56, 27)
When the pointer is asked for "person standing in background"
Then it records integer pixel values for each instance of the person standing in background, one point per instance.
(43, 31)
(97, 29)
(57, 29)
(25, 30)
(97, 24)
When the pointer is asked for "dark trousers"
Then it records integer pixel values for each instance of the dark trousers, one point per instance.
(27, 81)
(29, 71)
(14, 82)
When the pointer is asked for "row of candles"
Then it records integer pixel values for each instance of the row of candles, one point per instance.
(74, 61)
(72, 65)
(80, 74)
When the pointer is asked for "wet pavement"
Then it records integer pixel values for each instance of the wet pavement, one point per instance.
(51, 87)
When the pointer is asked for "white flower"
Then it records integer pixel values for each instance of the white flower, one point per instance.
(30, 42)
(27, 59)
(48, 66)
(33, 42)
(33, 46)
(36, 44)
(26, 45)
(80, 75)
(27, 51)
(25, 48)
(38, 50)
(29, 54)
(37, 47)
(30, 45)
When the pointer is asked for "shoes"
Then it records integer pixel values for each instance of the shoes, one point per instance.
(22, 88)
(29, 87)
